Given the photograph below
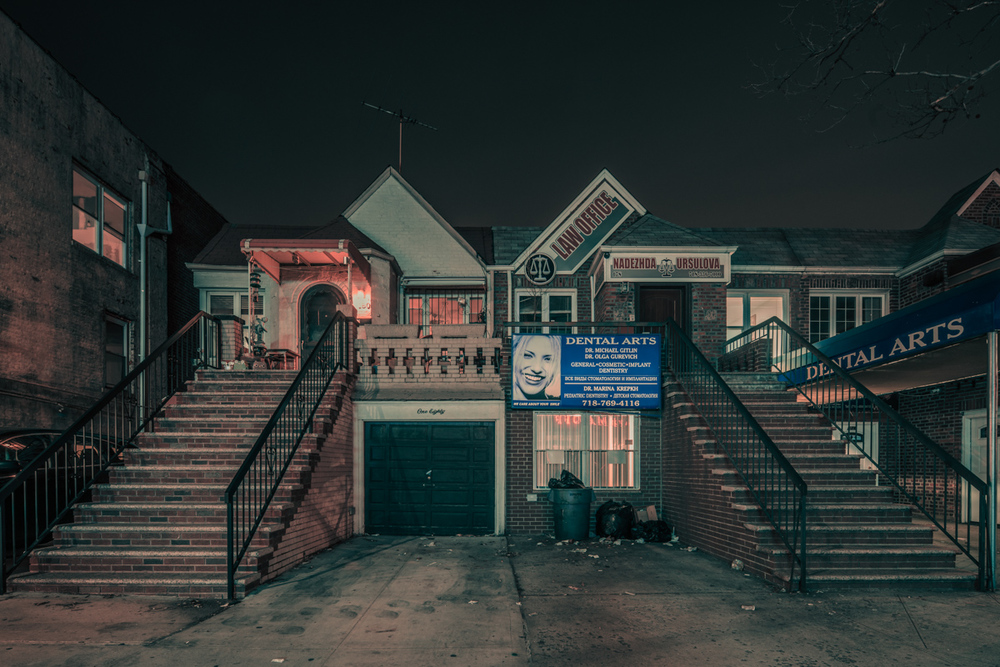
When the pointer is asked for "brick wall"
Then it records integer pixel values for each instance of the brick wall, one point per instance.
(708, 318)
(324, 517)
(984, 209)
(696, 503)
(55, 293)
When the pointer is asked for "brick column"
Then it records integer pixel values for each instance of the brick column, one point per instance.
(232, 337)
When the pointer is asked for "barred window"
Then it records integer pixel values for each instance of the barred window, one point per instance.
(444, 306)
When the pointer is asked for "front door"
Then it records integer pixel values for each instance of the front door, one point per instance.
(317, 309)
(658, 304)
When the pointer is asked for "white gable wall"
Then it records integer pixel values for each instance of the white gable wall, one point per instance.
(424, 246)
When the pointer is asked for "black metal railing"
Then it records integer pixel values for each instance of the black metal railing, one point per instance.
(256, 482)
(42, 494)
(772, 481)
(923, 473)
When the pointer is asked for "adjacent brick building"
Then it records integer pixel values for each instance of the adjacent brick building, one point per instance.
(76, 186)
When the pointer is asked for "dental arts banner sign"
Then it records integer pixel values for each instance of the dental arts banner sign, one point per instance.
(588, 372)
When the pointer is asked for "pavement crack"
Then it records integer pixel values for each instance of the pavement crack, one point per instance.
(912, 623)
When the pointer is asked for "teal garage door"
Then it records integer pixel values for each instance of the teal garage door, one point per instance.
(429, 478)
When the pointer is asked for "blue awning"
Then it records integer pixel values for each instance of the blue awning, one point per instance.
(959, 314)
(940, 339)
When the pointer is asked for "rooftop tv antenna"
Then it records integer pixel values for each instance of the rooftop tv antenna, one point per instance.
(402, 119)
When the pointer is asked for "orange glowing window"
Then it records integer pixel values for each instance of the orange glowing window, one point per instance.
(600, 449)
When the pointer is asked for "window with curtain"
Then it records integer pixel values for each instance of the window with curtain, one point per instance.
(601, 449)
(444, 306)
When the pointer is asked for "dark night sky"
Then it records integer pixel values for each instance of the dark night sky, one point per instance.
(260, 108)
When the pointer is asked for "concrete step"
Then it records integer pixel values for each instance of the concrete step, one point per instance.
(203, 426)
(945, 579)
(867, 558)
(186, 585)
(131, 561)
(219, 412)
(179, 493)
(821, 477)
(852, 535)
(814, 461)
(868, 513)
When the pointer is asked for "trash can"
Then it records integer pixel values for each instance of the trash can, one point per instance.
(571, 510)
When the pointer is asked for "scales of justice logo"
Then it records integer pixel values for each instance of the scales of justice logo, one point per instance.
(539, 269)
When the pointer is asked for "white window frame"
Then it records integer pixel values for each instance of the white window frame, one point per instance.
(746, 295)
(545, 294)
(239, 297)
(99, 218)
(550, 461)
(832, 295)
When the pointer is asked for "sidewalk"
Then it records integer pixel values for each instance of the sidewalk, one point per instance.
(507, 601)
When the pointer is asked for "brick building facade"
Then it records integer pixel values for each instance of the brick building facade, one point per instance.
(75, 186)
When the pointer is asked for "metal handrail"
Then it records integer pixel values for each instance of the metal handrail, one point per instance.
(771, 479)
(924, 473)
(46, 489)
(256, 482)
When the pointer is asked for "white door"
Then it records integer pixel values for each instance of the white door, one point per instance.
(974, 444)
(864, 435)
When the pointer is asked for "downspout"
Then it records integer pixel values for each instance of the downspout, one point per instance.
(510, 295)
(145, 231)
(490, 315)
(991, 464)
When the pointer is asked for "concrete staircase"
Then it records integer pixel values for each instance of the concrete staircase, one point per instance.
(158, 525)
(856, 535)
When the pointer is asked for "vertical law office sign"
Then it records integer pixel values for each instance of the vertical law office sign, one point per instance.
(587, 372)
(579, 230)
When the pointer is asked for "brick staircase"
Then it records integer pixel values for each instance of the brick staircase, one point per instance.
(856, 535)
(158, 525)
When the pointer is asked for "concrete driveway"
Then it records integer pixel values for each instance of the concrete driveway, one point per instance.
(379, 600)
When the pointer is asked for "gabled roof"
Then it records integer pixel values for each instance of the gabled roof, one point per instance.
(947, 231)
(953, 234)
(388, 233)
(652, 231)
(224, 248)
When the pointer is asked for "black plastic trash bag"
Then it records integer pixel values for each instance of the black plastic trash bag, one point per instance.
(614, 520)
(566, 481)
(652, 531)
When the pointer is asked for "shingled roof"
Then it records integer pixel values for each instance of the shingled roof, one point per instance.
(652, 231)
(510, 242)
(947, 231)
(224, 248)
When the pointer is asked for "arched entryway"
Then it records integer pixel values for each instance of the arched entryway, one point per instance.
(316, 311)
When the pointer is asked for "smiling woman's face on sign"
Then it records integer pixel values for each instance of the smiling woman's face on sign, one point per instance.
(535, 364)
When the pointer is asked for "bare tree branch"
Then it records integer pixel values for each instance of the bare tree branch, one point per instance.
(918, 65)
